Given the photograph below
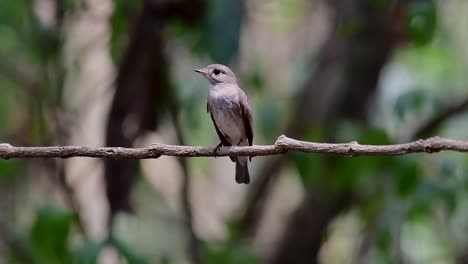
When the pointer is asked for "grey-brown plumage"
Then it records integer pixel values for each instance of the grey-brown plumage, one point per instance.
(231, 114)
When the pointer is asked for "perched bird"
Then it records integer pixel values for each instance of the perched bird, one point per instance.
(231, 114)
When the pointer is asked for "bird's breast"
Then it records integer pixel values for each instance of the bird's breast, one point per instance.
(224, 107)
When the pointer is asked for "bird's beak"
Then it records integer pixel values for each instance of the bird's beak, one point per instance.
(202, 71)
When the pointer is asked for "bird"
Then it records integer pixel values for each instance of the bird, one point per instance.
(231, 114)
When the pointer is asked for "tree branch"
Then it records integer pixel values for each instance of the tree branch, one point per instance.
(282, 145)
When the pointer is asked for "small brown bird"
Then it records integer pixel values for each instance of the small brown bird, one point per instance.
(231, 114)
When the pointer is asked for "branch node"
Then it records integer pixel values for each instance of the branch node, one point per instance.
(282, 144)
(351, 153)
(155, 154)
(281, 140)
(155, 151)
(429, 145)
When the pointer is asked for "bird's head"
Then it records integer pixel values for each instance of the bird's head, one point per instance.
(217, 74)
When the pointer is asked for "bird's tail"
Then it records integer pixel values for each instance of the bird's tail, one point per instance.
(242, 171)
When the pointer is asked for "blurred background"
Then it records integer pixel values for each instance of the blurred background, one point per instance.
(119, 73)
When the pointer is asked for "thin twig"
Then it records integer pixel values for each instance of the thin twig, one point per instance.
(282, 145)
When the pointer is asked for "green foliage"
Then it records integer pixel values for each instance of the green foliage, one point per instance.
(13, 13)
(124, 14)
(422, 21)
(66, 5)
(219, 33)
(9, 169)
(8, 40)
(50, 234)
(310, 166)
(255, 81)
(407, 174)
(346, 173)
(411, 101)
(268, 119)
(44, 40)
(384, 238)
(8, 105)
(49, 241)
(231, 253)
(359, 173)
(221, 29)
(87, 254)
(436, 67)
(126, 252)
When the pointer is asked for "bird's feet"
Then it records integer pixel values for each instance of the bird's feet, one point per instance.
(215, 151)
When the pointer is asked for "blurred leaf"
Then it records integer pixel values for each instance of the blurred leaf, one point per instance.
(269, 118)
(127, 253)
(310, 166)
(234, 227)
(255, 81)
(13, 13)
(450, 199)
(9, 169)
(407, 174)
(436, 66)
(374, 137)
(88, 253)
(447, 169)
(49, 235)
(358, 173)
(422, 200)
(421, 21)
(11, 106)
(231, 253)
(66, 5)
(45, 41)
(409, 102)
(370, 207)
(165, 260)
(350, 131)
(192, 111)
(219, 33)
(8, 38)
(221, 30)
(121, 20)
(385, 238)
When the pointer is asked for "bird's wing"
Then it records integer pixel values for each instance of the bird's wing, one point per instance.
(221, 136)
(246, 116)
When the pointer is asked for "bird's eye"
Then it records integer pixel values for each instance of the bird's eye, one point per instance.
(216, 71)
